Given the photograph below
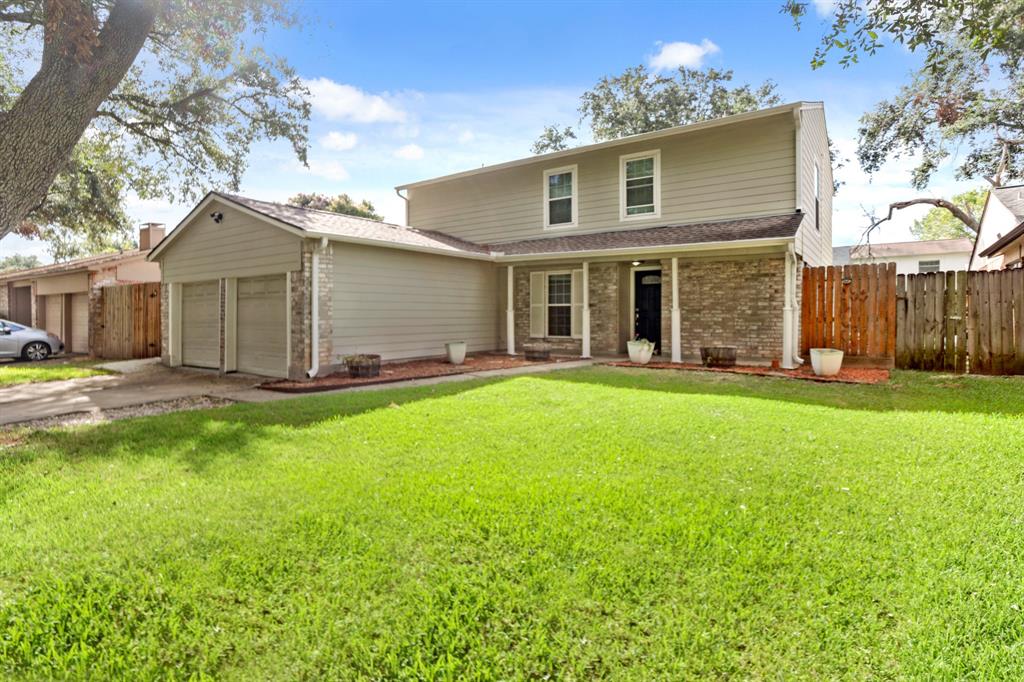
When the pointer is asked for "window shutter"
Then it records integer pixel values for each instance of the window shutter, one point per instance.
(577, 304)
(538, 298)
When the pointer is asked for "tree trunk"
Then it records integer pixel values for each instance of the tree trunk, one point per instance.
(40, 131)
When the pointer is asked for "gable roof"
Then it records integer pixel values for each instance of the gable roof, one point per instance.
(642, 137)
(314, 223)
(1012, 197)
(87, 263)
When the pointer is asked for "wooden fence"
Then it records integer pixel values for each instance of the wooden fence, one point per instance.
(852, 308)
(130, 321)
(949, 321)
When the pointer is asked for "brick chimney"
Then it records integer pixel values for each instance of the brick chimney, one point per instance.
(150, 235)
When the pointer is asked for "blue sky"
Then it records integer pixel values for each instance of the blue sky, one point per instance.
(407, 91)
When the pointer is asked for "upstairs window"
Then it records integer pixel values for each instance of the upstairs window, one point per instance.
(927, 266)
(560, 206)
(640, 185)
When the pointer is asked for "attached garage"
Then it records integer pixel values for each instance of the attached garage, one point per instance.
(200, 324)
(262, 336)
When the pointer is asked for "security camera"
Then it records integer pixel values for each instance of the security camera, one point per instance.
(217, 216)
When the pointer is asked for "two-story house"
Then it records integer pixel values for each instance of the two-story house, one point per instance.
(690, 236)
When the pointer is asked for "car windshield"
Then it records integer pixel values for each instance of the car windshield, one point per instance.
(10, 325)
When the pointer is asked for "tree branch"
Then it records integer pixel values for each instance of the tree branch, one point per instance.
(963, 216)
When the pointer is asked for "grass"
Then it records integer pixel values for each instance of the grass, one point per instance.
(598, 523)
(12, 373)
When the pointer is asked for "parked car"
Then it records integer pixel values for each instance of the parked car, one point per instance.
(29, 343)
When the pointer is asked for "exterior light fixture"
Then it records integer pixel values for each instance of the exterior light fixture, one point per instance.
(637, 262)
(217, 216)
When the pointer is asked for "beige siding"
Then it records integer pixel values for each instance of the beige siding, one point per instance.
(63, 284)
(404, 305)
(745, 169)
(815, 243)
(238, 246)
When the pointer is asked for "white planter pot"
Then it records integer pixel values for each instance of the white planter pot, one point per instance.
(826, 362)
(640, 352)
(456, 351)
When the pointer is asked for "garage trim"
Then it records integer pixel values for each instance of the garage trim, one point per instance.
(231, 324)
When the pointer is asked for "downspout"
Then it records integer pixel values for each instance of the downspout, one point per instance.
(314, 368)
(788, 318)
(406, 200)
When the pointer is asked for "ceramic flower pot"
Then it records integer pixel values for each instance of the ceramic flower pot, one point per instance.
(826, 362)
(640, 351)
(456, 351)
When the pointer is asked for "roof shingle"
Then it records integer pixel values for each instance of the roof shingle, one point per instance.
(766, 227)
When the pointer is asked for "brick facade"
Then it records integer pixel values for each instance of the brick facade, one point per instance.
(302, 312)
(728, 303)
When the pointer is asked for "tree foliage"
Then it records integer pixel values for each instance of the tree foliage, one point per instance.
(165, 100)
(639, 101)
(965, 103)
(342, 203)
(940, 223)
(18, 261)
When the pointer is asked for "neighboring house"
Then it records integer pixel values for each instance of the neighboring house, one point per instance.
(911, 258)
(691, 236)
(1000, 242)
(64, 298)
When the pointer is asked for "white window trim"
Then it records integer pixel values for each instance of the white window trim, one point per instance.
(656, 153)
(574, 169)
(547, 304)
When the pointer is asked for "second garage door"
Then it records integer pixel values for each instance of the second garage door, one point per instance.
(262, 326)
(80, 323)
(200, 324)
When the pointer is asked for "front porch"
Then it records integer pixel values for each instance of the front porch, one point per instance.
(592, 307)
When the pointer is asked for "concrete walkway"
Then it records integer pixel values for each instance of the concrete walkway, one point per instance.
(145, 381)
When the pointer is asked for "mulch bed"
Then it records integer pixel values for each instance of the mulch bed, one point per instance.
(847, 375)
(411, 369)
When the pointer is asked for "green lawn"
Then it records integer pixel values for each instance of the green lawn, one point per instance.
(598, 523)
(12, 373)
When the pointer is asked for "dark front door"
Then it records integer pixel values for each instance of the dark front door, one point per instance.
(647, 306)
(21, 305)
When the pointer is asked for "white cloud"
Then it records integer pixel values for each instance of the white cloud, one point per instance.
(340, 102)
(466, 136)
(674, 55)
(339, 142)
(824, 8)
(410, 152)
(331, 170)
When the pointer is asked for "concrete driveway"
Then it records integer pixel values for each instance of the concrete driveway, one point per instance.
(137, 382)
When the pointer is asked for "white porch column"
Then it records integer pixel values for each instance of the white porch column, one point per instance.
(510, 314)
(677, 351)
(586, 310)
(787, 310)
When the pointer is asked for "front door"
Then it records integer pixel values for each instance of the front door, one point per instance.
(647, 306)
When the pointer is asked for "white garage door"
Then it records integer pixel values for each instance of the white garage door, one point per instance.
(80, 323)
(54, 307)
(262, 326)
(200, 324)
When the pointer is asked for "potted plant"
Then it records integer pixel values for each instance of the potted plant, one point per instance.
(826, 362)
(456, 351)
(718, 356)
(363, 365)
(640, 351)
